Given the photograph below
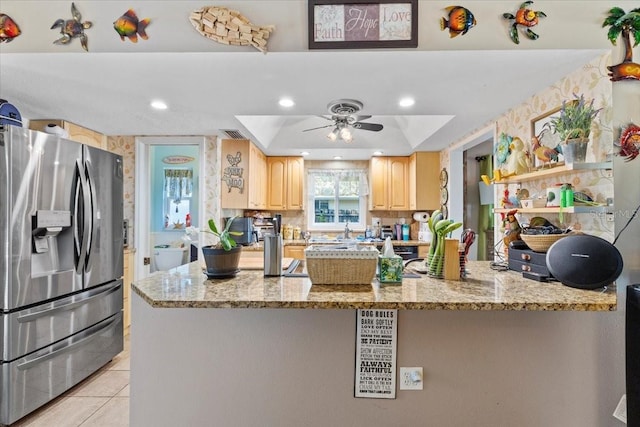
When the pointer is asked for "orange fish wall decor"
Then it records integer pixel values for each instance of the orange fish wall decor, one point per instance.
(9, 30)
(460, 21)
(128, 26)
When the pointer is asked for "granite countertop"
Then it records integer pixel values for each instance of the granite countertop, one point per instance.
(259, 246)
(485, 289)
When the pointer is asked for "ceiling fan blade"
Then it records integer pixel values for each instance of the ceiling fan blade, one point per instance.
(331, 119)
(367, 126)
(361, 118)
(320, 127)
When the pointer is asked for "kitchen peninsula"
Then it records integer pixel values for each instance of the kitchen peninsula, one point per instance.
(248, 351)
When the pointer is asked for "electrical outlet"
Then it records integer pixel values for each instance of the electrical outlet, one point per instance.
(608, 173)
(411, 378)
(610, 217)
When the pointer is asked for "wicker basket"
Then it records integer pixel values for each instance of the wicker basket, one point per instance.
(330, 265)
(541, 242)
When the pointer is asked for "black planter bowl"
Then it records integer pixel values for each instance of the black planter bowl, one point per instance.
(220, 263)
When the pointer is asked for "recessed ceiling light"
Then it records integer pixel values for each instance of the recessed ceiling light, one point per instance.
(286, 102)
(159, 105)
(337, 158)
(304, 153)
(406, 102)
(377, 153)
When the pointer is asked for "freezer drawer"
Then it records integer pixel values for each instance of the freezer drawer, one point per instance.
(37, 327)
(32, 381)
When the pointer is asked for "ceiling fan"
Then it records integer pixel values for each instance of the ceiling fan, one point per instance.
(343, 115)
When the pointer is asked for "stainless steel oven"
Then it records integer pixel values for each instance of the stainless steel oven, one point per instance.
(406, 252)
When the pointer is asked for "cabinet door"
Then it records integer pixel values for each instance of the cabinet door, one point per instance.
(296, 252)
(295, 183)
(424, 192)
(253, 178)
(261, 180)
(276, 183)
(378, 182)
(398, 194)
(413, 181)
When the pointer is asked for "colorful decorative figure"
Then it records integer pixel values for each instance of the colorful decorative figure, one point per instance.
(72, 28)
(230, 27)
(130, 27)
(525, 17)
(630, 142)
(9, 30)
(502, 149)
(518, 161)
(512, 228)
(627, 24)
(460, 21)
(545, 154)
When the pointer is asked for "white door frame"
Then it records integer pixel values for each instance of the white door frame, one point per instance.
(143, 198)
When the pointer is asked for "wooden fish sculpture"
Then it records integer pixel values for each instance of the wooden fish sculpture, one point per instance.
(230, 27)
(9, 30)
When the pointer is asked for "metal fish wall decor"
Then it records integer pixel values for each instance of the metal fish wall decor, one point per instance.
(128, 26)
(460, 20)
(72, 28)
(9, 30)
(524, 17)
(230, 27)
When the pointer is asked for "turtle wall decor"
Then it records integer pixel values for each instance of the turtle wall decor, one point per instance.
(524, 17)
(72, 28)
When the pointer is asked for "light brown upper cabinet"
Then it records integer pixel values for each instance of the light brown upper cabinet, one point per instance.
(388, 177)
(285, 183)
(76, 133)
(424, 184)
(243, 175)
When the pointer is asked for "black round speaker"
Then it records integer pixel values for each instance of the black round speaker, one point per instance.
(584, 261)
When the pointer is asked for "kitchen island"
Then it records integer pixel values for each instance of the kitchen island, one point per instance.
(249, 351)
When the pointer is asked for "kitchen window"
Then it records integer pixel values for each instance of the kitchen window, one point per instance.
(178, 191)
(337, 197)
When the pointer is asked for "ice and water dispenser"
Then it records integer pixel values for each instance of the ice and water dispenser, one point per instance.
(52, 242)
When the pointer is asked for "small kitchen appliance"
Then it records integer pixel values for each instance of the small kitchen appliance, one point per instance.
(244, 226)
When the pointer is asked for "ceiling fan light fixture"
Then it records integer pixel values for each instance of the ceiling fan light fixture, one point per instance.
(345, 134)
(333, 135)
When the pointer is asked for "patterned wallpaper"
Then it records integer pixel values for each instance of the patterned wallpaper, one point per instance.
(592, 81)
(126, 147)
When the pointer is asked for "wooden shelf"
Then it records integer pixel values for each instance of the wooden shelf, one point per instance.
(557, 170)
(556, 209)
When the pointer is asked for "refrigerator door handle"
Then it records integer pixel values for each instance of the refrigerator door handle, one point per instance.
(68, 306)
(94, 334)
(90, 211)
(79, 233)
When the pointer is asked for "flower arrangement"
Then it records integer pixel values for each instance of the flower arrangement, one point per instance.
(575, 119)
(225, 237)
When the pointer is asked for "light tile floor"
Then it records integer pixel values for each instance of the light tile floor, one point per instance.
(102, 400)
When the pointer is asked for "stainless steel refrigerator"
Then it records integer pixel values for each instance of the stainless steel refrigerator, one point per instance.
(60, 266)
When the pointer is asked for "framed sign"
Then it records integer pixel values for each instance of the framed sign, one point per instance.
(376, 348)
(362, 24)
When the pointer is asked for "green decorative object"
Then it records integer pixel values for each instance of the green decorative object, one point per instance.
(627, 25)
(524, 17)
(390, 269)
(575, 119)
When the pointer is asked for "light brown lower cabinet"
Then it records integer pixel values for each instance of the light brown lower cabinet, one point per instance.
(296, 252)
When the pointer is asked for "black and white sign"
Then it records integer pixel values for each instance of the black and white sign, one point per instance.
(376, 349)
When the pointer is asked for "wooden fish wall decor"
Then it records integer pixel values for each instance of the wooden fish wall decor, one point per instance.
(627, 24)
(527, 18)
(230, 27)
(72, 28)
(9, 30)
(128, 26)
(460, 21)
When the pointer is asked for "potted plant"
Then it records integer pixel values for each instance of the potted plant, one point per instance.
(223, 257)
(573, 127)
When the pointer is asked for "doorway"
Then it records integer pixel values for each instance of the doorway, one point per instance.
(160, 163)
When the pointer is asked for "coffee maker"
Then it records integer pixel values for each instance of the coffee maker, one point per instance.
(244, 226)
